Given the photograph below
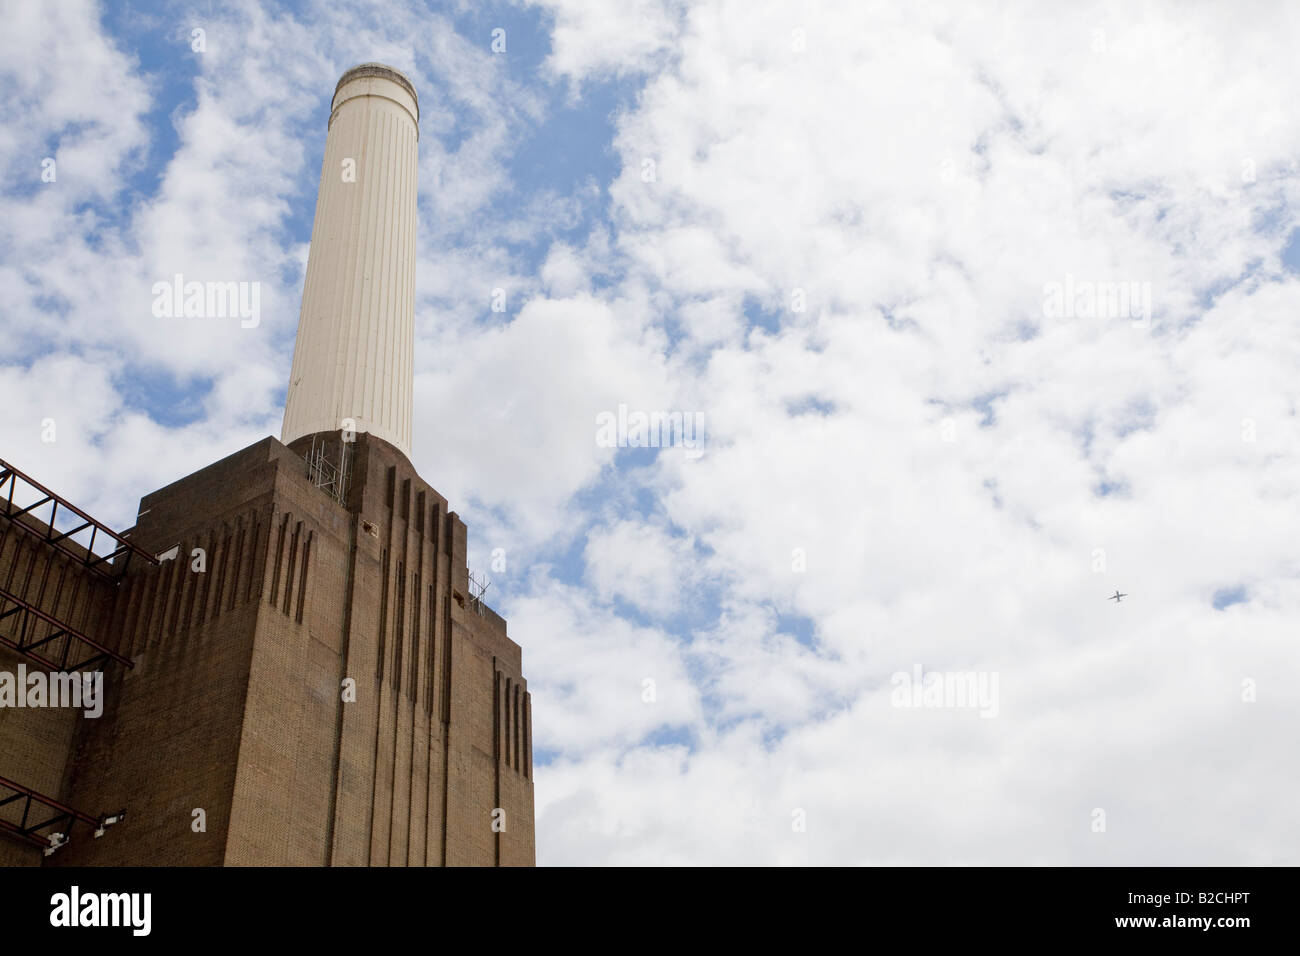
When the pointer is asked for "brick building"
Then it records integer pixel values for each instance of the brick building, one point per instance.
(296, 669)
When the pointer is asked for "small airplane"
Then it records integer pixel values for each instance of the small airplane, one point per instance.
(1116, 597)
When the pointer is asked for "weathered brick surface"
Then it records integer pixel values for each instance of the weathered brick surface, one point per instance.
(235, 706)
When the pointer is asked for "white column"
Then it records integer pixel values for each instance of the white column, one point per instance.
(356, 333)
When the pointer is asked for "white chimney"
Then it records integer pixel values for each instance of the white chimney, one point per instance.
(356, 332)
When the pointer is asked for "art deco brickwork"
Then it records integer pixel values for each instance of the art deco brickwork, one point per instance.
(236, 702)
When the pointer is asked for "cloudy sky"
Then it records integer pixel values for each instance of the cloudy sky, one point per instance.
(861, 241)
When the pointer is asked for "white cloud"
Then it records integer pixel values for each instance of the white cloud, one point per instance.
(520, 404)
(641, 564)
(921, 178)
(601, 39)
(598, 683)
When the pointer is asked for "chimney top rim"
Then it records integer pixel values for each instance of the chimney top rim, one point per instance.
(378, 69)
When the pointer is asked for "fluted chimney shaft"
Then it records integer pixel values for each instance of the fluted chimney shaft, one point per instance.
(352, 362)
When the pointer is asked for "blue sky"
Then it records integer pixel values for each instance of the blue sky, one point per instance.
(842, 263)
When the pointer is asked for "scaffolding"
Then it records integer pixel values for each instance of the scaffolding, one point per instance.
(52, 643)
(477, 589)
(36, 629)
(83, 551)
(325, 474)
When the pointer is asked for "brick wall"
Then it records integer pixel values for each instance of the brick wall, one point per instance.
(235, 704)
